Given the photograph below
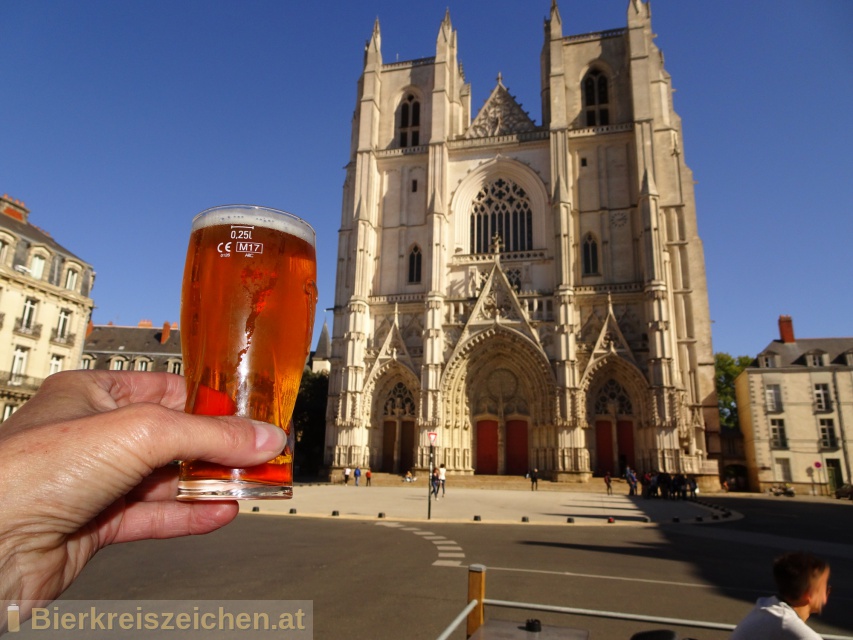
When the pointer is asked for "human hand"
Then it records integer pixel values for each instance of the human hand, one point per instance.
(83, 465)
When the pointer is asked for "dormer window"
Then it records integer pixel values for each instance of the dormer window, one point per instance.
(37, 267)
(848, 358)
(767, 361)
(596, 101)
(814, 359)
(71, 279)
(410, 122)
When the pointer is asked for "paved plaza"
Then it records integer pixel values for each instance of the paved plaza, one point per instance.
(409, 502)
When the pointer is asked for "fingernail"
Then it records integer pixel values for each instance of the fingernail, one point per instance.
(268, 437)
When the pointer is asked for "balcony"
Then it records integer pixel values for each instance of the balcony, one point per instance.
(32, 330)
(66, 340)
(19, 382)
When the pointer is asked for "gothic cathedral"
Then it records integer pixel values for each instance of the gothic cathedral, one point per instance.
(533, 294)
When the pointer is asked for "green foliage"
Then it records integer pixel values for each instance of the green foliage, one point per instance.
(726, 369)
(309, 420)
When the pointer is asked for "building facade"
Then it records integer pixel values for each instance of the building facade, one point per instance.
(534, 294)
(45, 306)
(795, 406)
(140, 348)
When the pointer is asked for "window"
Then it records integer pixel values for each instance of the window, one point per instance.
(814, 359)
(175, 367)
(767, 361)
(415, 259)
(773, 397)
(117, 364)
(64, 324)
(4, 251)
(514, 278)
(778, 439)
(142, 365)
(29, 317)
(414, 186)
(19, 365)
(410, 122)
(783, 470)
(37, 267)
(595, 98)
(590, 255)
(55, 364)
(71, 280)
(8, 410)
(87, 363)
(501, 218)
(827, 434)
(822, 399)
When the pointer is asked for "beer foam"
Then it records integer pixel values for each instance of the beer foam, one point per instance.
(255, 216)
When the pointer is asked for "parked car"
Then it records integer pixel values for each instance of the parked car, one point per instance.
(844, 491)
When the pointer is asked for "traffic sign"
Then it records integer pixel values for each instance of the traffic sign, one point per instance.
(433, 435)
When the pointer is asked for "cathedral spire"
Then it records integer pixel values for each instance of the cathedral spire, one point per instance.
(373, 47)
(555, 22)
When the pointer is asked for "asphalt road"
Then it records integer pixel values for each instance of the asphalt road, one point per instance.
(400, 579)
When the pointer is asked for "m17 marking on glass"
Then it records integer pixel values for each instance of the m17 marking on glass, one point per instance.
(249, 248)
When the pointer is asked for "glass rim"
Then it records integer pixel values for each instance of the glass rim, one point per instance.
(256, 209)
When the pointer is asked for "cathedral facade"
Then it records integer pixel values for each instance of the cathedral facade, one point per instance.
(534, 294)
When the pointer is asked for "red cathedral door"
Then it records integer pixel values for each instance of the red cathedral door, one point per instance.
(407, 446)
(389, 445)
(625, 444)
(604, 446)
(516, 447)
(487, 447)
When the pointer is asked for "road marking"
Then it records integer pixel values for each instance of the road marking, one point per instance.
(450, 548)
(423, 533)
(445, 542)
(451, 555)
(674, 583)
(434, 538)
(446, 548)
(448, 563)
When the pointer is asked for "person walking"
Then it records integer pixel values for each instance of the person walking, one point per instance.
(367, 476)
(534, 479)
(608, 482)
(442, 477)
(435, 482)
(347, 471)
(357, 474)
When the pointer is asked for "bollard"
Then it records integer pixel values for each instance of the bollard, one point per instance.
(255, 509)
(336, 513)
(477, 519)
(381, 514)
(611, 519)
(293, 512)
(570, 520)
(476, 591)
(525, 519)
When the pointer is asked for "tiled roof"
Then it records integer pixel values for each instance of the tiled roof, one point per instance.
(792, 354)
(132, 340)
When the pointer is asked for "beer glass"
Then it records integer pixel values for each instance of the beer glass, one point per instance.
(247, 316)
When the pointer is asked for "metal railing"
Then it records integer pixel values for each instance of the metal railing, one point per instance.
(474, 614)
(30, 329)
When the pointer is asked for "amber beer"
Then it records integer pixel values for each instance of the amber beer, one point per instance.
(247, 316)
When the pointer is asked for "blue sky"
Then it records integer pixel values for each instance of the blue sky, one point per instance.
(121, 120)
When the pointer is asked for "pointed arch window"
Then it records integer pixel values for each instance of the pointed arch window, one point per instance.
(410, 122)
(501, 210)
(415, 260)
(590, 255)
(611, 398)
(596, 99)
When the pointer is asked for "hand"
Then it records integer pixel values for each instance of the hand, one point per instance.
(82, 465)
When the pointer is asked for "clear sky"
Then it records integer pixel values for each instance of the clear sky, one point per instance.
(121, 120)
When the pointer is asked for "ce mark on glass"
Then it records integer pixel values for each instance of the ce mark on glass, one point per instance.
(224, 249)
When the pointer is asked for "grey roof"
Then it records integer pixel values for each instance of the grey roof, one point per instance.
(30, 232)
(792, 354)
(324, 345)
(132, 340)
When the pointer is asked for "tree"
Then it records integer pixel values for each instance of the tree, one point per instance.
(309, 421)
(726, 369)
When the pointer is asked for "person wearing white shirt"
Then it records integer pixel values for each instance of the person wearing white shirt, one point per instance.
(803, 584)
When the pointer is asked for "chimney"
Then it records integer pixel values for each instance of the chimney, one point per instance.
(14, 208)
(145, 324)
(786, 329)
(164, 335)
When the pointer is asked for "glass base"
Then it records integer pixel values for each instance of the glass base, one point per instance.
(231, 490)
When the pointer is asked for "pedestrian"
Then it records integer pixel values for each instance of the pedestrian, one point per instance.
(608, 482)
(357, 474)
(367, 476)
(631, 477)
(534, 479)
(435, 482)
(802, 589)
(442, 477)
(346, 476)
